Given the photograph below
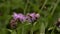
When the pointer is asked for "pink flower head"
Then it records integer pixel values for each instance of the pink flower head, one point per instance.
(15, 16)
(22, 17)
(19, 16)
(32, 17)
(29, 17)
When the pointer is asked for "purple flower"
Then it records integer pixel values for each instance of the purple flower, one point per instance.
(32, 17)
(15, 16)
(28, 19)
(19, 16)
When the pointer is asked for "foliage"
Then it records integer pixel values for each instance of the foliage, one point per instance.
(49, 11)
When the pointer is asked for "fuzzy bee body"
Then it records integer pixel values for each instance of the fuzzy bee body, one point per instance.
(58, 23)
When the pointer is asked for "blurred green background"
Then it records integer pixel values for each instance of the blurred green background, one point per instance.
(49, 11)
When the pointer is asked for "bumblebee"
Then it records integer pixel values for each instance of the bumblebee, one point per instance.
(58, 23)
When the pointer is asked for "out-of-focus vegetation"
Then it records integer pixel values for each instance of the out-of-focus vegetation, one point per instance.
(49, 11)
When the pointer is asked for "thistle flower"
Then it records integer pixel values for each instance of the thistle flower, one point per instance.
(15, 16)
(28, 18)
(22, 17)
(19, 16)
(32, 17)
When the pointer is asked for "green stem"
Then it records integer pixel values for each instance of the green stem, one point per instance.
(51, 7)
(23, 30)
(44, 4)
(14, 32)
(31, 31)
(53, 30)
(56, 4)
(26, 6)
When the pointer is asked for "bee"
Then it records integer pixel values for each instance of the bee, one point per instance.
(58, 23)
